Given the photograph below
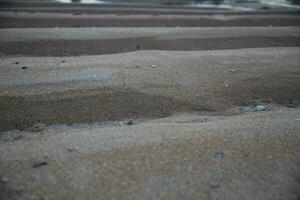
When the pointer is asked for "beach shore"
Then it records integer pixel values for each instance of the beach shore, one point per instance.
(162, 103)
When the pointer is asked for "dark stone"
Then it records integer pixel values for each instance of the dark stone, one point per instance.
(265, 8)
(292, 104)
(71, 149)
(130, 122)
(37, 164)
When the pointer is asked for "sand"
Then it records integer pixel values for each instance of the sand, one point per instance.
(143, 84)
(252, 156)
(127, 109)
(99, 41)
(10, 19)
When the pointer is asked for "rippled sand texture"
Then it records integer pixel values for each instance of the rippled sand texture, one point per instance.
(143, 102)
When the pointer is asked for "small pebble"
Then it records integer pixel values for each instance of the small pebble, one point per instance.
(214, 185)
(38, 127)
(204, 120)
(153, 66)
(72, 149)
(24, 67)
(37, 164)
(121, 123)
(232, 70)
(260, 108)
(217, 154)
(16, 63)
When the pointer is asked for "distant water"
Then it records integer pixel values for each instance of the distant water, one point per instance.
(221, 4)
(84, 1)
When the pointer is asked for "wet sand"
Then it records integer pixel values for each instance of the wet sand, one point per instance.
(80, 19)
(98, 41)
(132, 112)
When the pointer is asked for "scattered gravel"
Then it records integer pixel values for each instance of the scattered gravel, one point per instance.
(12, 135)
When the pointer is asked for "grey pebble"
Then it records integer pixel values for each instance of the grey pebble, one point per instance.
(39, 163)
(260, 108)
(217, 154)
(203, 120)
(72, 149)
(214, 185)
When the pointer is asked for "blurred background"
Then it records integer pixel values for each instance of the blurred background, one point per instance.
(194, 3)
(249, 3)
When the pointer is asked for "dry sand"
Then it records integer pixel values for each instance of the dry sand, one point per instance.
(252, 156)
(143, 84)
(206, 149)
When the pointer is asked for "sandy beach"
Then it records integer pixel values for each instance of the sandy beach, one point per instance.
(108, 102)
